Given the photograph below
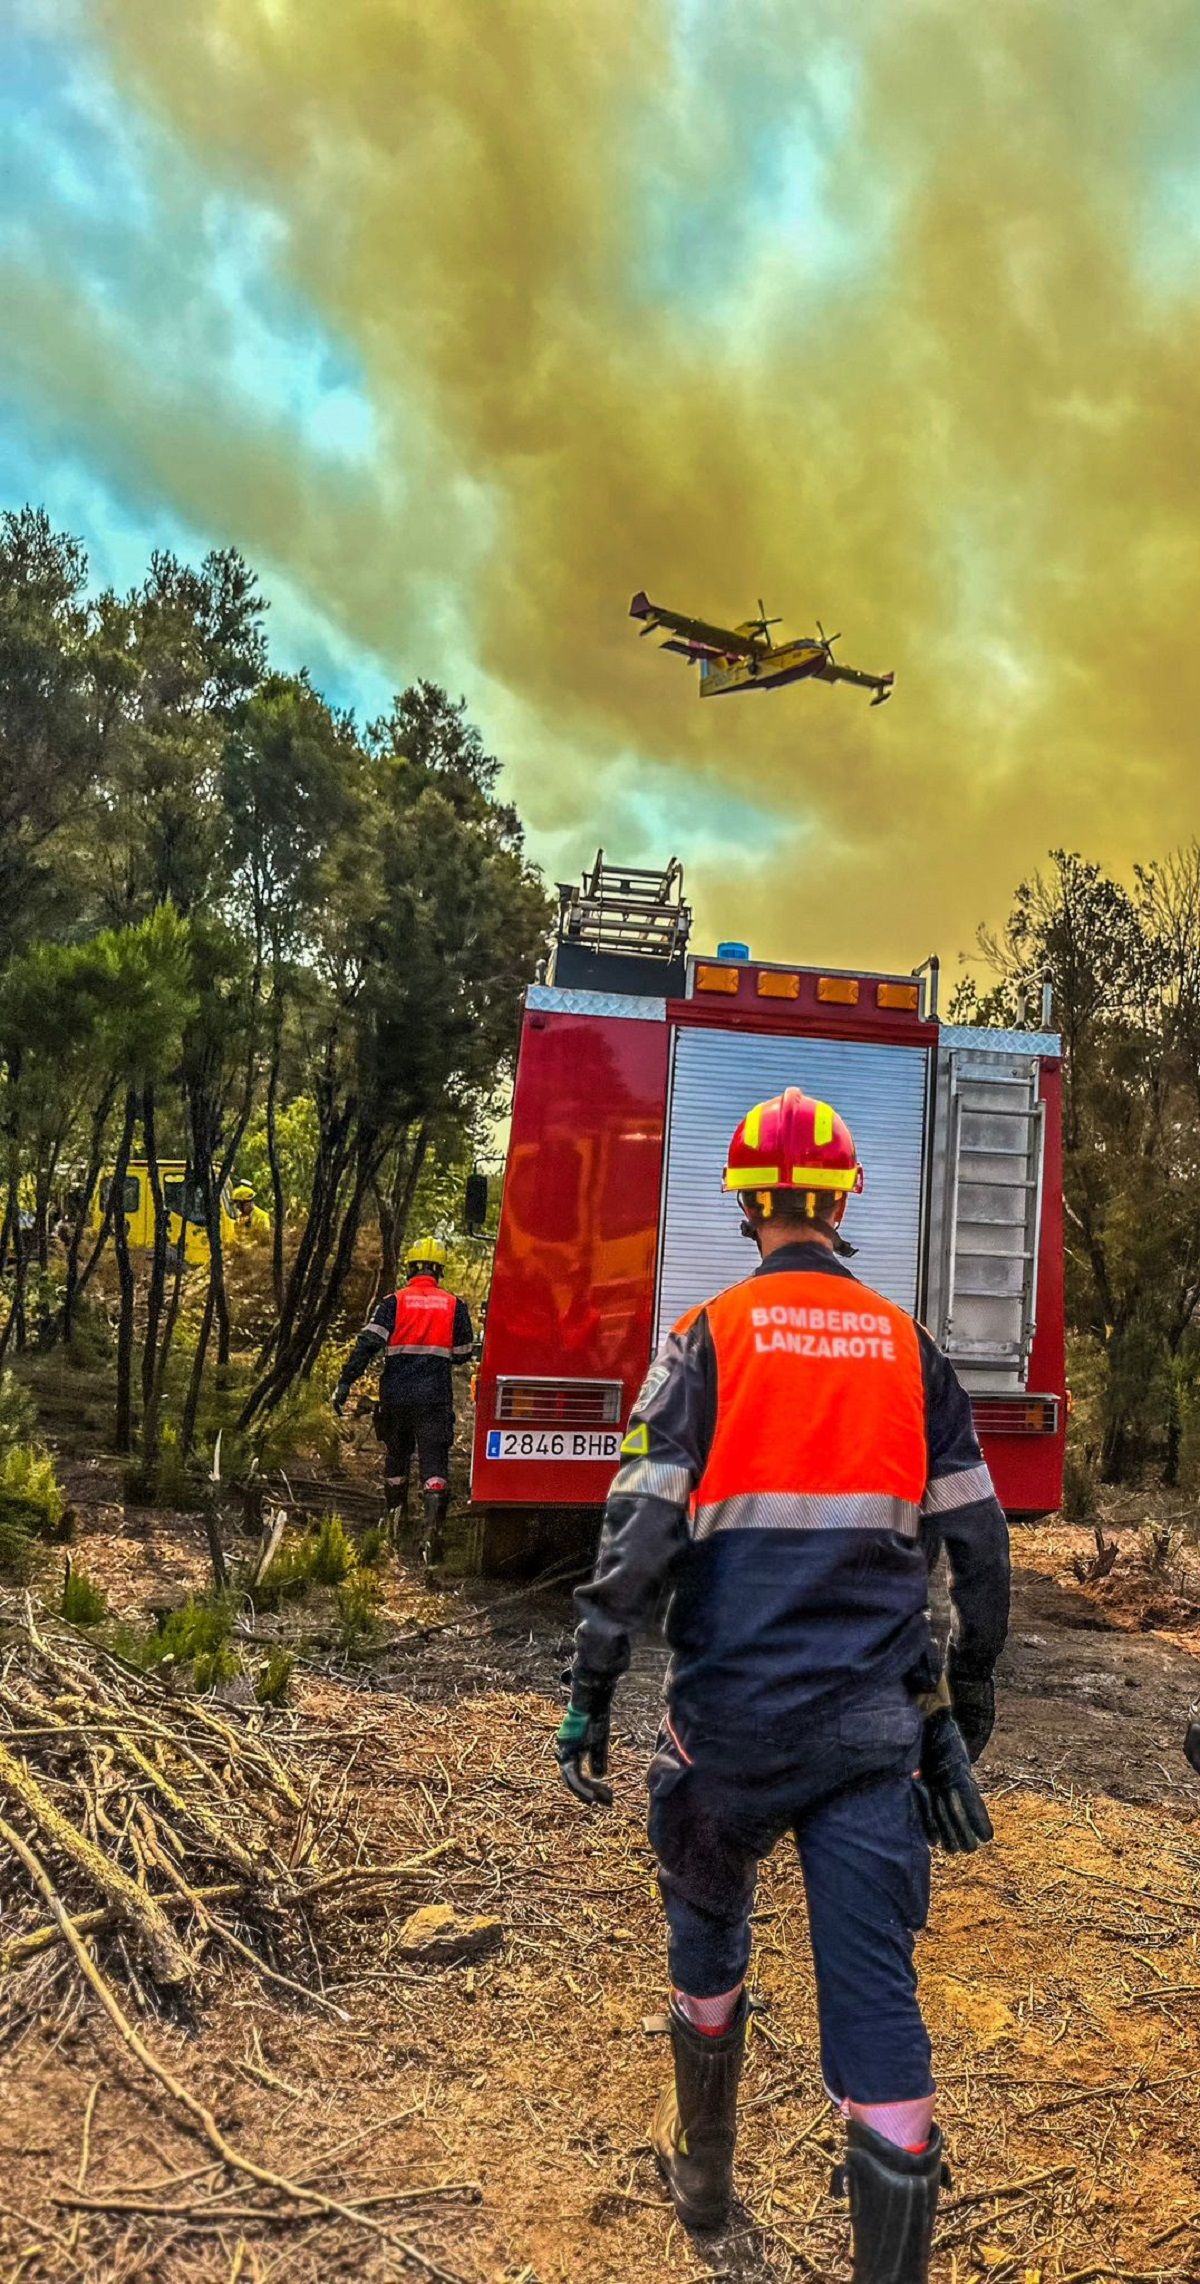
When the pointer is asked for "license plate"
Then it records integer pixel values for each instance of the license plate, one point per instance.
(552, 1443)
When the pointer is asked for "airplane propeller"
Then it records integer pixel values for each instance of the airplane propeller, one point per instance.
(762, 624)
(827, 641)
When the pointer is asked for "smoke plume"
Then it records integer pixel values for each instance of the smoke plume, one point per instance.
(885, 312)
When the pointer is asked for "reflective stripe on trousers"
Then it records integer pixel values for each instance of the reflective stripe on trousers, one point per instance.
(808, 1511)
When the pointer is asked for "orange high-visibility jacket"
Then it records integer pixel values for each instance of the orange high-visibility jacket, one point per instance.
(423, 1331)
(798, 1453)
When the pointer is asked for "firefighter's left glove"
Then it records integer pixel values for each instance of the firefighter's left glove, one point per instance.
(951, 1803)
(340, 1398)
(1191, 1742)
(581, 1745)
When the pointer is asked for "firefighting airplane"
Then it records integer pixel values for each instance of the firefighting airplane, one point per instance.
(745, 658)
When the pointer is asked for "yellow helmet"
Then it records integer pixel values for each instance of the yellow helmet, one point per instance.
(427, 1253)
(243, 1193)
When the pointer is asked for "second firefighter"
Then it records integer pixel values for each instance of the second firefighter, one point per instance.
(421, 1332)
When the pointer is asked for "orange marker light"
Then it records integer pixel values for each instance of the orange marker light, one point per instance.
(717, 979)
(772, 985)
(904, 997)
(838, 990)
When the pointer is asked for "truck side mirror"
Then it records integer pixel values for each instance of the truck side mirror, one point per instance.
(475, 1204)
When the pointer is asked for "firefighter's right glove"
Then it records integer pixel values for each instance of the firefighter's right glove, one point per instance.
(1191, 1742)
(973, 1704)
(581, 1745)
(339, 1399)
(951, 1804)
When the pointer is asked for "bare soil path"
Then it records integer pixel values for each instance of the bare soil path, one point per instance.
(510, 2097)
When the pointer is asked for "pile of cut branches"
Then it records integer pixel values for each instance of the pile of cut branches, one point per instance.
(154, 1818)
(136, 1825)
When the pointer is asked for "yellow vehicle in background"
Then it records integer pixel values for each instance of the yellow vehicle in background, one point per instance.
(139, 1208)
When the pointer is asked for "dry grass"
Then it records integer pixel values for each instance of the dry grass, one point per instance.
(1061, 1979)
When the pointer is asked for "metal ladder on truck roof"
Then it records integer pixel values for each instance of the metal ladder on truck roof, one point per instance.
(634, 910)
(991, 1130)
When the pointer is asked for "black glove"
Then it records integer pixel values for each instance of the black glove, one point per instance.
(950, 1801)
(340, 1398)
(1191, 1742)
(973, 1704)
(583, 1736)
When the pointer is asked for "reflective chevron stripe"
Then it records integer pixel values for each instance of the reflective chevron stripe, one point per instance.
(963, 1489)
(808, 1511)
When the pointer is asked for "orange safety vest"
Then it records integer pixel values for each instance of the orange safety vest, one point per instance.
(424, 1320)
(820, 1410)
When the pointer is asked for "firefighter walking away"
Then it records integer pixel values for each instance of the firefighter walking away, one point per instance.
(421, 1333)
(798, 1454)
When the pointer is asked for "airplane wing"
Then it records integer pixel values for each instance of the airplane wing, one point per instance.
(881, 684)
(700, 639)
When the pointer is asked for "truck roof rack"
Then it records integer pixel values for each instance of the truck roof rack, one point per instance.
(628, 909)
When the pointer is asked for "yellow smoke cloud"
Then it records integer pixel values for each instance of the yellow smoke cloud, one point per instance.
(952, 409)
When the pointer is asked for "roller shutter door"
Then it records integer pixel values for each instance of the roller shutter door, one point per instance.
(717, 1075)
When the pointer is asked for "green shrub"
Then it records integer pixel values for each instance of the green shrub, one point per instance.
(83, 1603)
(274, 1682)
(211, 1667)
(333, 1556)
(196, 1630)
(91, 1343)
(18, 1412)
(21, 1553)
(374, 1547)
(357, 1611)
(168, 1481)
(31, 1497)
(287, 1576)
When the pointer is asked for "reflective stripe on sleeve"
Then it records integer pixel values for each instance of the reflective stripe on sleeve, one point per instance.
(963, 1489)
(807, 1511)
(652, 1479)
(373, 1332)
(461, 1354)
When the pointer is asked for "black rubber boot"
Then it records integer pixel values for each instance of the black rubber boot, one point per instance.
(695, 2124)
(437, 1506)
(893, 2205)
(396, 1506)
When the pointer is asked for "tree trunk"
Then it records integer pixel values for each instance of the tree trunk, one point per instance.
(191, 1405)
(1114, 1450)
(158, 1260)
(14, 1324)
(277, 1206)
(152, 1406)
(313, 1314)
(123, 1431)
(395, 1206)
(77, 1281)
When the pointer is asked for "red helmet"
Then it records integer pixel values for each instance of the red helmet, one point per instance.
(793, 1142)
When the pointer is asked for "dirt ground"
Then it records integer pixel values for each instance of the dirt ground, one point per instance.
(511, 2097)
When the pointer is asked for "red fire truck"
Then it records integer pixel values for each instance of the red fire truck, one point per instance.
(636, 1061)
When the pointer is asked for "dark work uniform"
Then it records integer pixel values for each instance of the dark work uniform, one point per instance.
(423, 1332)
(798, 1454)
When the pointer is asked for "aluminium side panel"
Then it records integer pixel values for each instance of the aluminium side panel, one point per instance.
(717, 1074)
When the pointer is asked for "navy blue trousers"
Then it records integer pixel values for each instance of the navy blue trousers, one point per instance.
(847, 1800)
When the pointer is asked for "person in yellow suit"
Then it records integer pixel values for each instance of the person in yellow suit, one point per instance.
(251, 1225)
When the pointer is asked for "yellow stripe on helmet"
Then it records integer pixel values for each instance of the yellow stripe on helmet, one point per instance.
(752, 1126)
(822, 1124)
(752, 1177)
(824, 1177)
